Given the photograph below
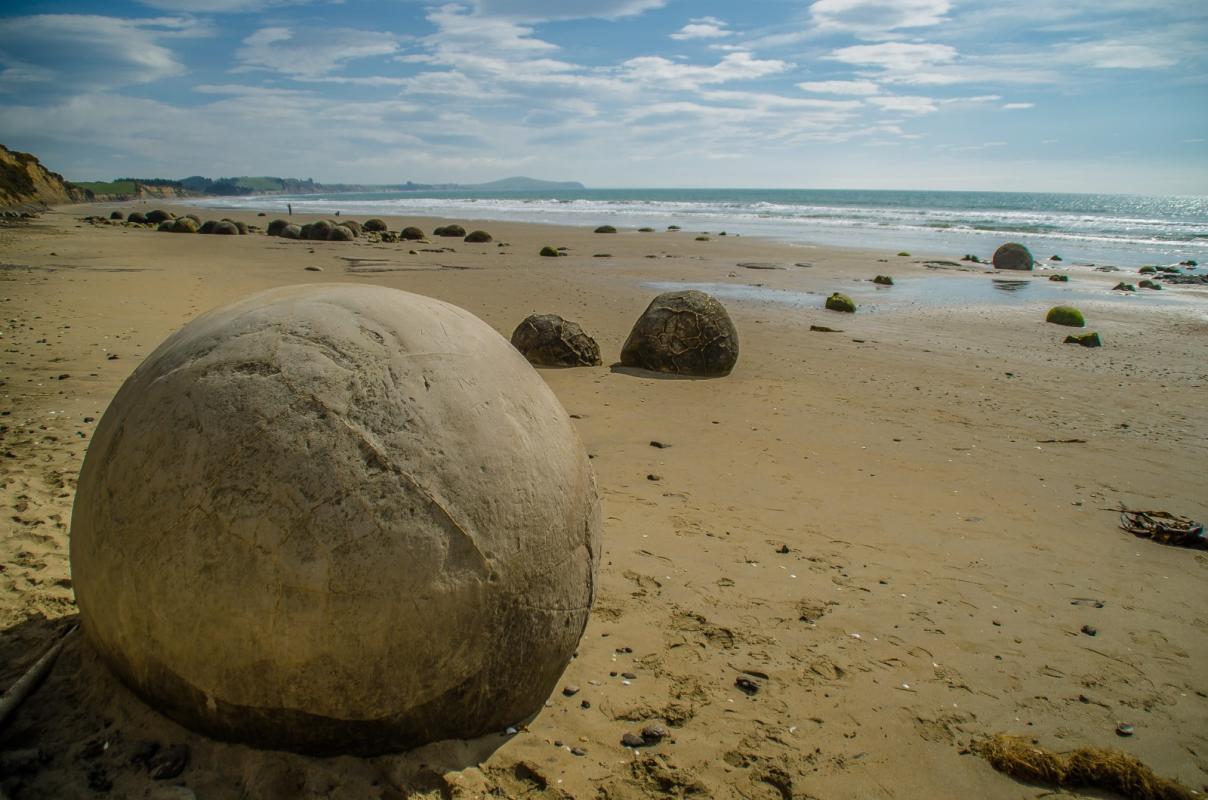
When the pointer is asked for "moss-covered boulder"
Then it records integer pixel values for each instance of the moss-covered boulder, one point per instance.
(1124, 287)
(478, 237)
(673, 227)
(1065, 315)
(117, 215)
(549, 252)
(645, 230)
(184, 225)
(137, 217)
(240, 225)
(840, 302)
(165, 226)
(1013, 255)
(317, 231)
(291, 231)
(353, 225)
(685, 332)
(276, 226)
(412, 233)
(1148, 270)
(550, 341)
(1054, 257)
(702, 238)
(193, 217)
(1090, 339)
(883, 280)
(157, 216)
(606, 229)
(904, 254)
(1148, 284)
(226, 228)
(375, 225)
(1060, 278)
(450, 231)
(207, 226)
(339, 233)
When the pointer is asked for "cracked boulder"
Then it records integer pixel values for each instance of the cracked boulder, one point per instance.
(547, 340)
(686, 332)
(336, 519)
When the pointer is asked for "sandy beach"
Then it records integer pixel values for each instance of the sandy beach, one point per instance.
(902, 532)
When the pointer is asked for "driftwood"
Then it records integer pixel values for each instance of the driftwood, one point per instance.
(25, 685)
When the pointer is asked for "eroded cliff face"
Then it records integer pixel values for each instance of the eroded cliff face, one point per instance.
(27, 186)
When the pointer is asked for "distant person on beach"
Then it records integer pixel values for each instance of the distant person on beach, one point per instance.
(290, 206)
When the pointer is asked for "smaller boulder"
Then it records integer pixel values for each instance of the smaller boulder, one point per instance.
(226, 228)
(207, 226)
(478, 237)
(353, 225)
(1124, 287)
(548, 340)
(1148, 270)
(291, 231)
(184, 225)
(971, 258)
(157, 216)
(375, 225)
(686, 332)
(165, 226)
(883, 280)
(1148, 284)
(702, 238)
(317, 231)
(193, 217)
(1065, 315)
(1090, 339)
(904, 254)
(673, 227)
(340, 233)
(412, 233)
(645, 230)
(137, 217)
(1013, 255)
(606, 229)
(276, 226)
(840, 302)
(117, 215)
(450, 231)
(1054, 258)
(1060, 278)
(241, 226)
(549, 252)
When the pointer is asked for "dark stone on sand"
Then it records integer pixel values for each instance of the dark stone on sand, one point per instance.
(840, 302)
(478, 237)
(1085, 339)
(659, 445)
(1065, 315)
(1148, 270)
(313, 269)
(1124, 287)
(185, 225)
(317, 231)
(412, 233)
(549, 252)
(207, 226)
(972, 258)
(374, 225)
(883, 280)
(653, 477)
(633, 740)
(1054, 258)
(759, 265)
(291, 232)
(225, 228)
(548, 340)
(1013, 255)
(702, 238)
(578, 751)
(239, 225)
(137, 217)
(746, 685)
(655, 733)
(1090, 630)
(570, 690)
(824, 329)
(340, 233)
(1148, 284)
(450, 230)
(157, 216)
(169, 762)
(353, 225)
(645, 230)
(1060, 278)
(276, 226)
(685, 332)
(606, 229)
(117, 215)
(904, 254)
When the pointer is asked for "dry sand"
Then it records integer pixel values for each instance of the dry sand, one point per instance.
(941, 560)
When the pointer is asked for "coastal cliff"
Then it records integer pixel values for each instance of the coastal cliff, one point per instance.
(26, 186)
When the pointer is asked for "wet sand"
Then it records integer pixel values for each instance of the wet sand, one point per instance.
(943, 553)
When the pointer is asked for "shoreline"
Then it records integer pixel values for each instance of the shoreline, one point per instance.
(939, 476)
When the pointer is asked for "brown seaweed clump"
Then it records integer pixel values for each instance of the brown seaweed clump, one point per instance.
(1086, 767)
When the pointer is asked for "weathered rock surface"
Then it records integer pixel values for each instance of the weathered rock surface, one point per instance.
(1012, 255)
(548, 340)
(686, 332)
(336, 518)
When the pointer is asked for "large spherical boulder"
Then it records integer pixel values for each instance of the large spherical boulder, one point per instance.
(1012, 255)
(318, 230)
(336, 518)
(166, 226)
(339, 233)
(352, 225)
(291, 232)
(412, 233)
(226, 228)
(478, 237)
(375, 225)
(1065, 315)
(550, 341)
(276, 226)
(686, 332)
(208, 226)
(137, 217)
(116, 215)
(450, 230)
(840, 302)
(185, 225)
(240, 226)
(157, 216)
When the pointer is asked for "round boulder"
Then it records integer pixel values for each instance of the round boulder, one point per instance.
(340, 233)
(352, 225)
(841, 302)
(606, 229)
(276, 226)
(478, 237)
(375, 225)
(239, 225)
(117, 215)
(336, 519)
(450, 230)
(686, 332)
(317, 231)
(550, 341)
(208, 226)
(1012, 255)
(1065, 315)
(291, 232)
(226, 228)
(157, 216)
(184, 225)
(412, 233)
(166, 226)
(137, 217)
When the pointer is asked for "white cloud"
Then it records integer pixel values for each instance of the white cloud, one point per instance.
(874, 18)
(853, 88)
(733, 67)
(220, 6)
(80, 51)
(896, 56)
(312, 52)
(534, 10)
(905, 104)
(703, 28)
(1117, 54)
(1015, 106)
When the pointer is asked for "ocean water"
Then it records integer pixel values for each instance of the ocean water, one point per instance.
(1120, 230)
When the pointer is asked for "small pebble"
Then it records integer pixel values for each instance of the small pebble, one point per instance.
(629, 676)
(653, 477)
(578, 751)
(570, 690)
(784, 548)
(659, 445)
(585, 704)
(314, 269)
(655, 733)
(633, 740)
(1090, 630)
(747, 685)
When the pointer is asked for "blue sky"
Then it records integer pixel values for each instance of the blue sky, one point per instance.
(1077, 95)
